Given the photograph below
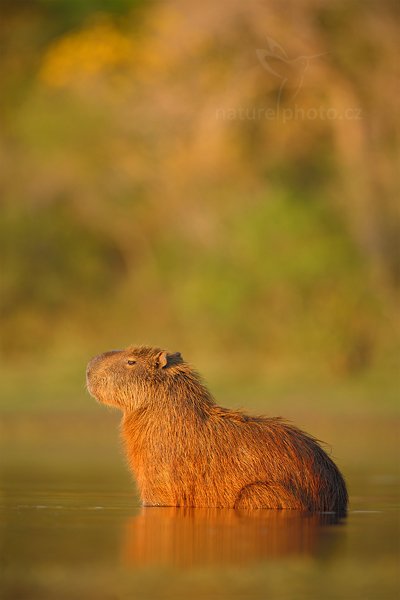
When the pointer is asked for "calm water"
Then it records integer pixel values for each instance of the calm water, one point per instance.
(72, 527)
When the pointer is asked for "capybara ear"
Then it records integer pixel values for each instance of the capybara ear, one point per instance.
(162, 359)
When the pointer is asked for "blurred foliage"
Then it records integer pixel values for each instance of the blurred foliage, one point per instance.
(146, 197)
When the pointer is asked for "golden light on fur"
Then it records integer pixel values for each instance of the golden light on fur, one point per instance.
(185, 450)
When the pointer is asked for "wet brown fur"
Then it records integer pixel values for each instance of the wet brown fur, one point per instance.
(185, 450)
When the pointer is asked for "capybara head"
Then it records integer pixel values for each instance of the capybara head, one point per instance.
(128, 378)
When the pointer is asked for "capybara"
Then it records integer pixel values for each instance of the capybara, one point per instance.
(185, 450)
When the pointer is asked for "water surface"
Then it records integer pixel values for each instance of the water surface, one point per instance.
(72, 527)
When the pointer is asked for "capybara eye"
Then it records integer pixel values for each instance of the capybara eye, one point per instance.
(131, 362)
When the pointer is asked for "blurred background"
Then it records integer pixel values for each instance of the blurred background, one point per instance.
(217, 179)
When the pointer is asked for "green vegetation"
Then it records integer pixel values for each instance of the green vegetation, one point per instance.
(147, 198)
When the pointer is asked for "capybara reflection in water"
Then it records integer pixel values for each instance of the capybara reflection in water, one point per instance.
(191, 537)
(185, 450)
